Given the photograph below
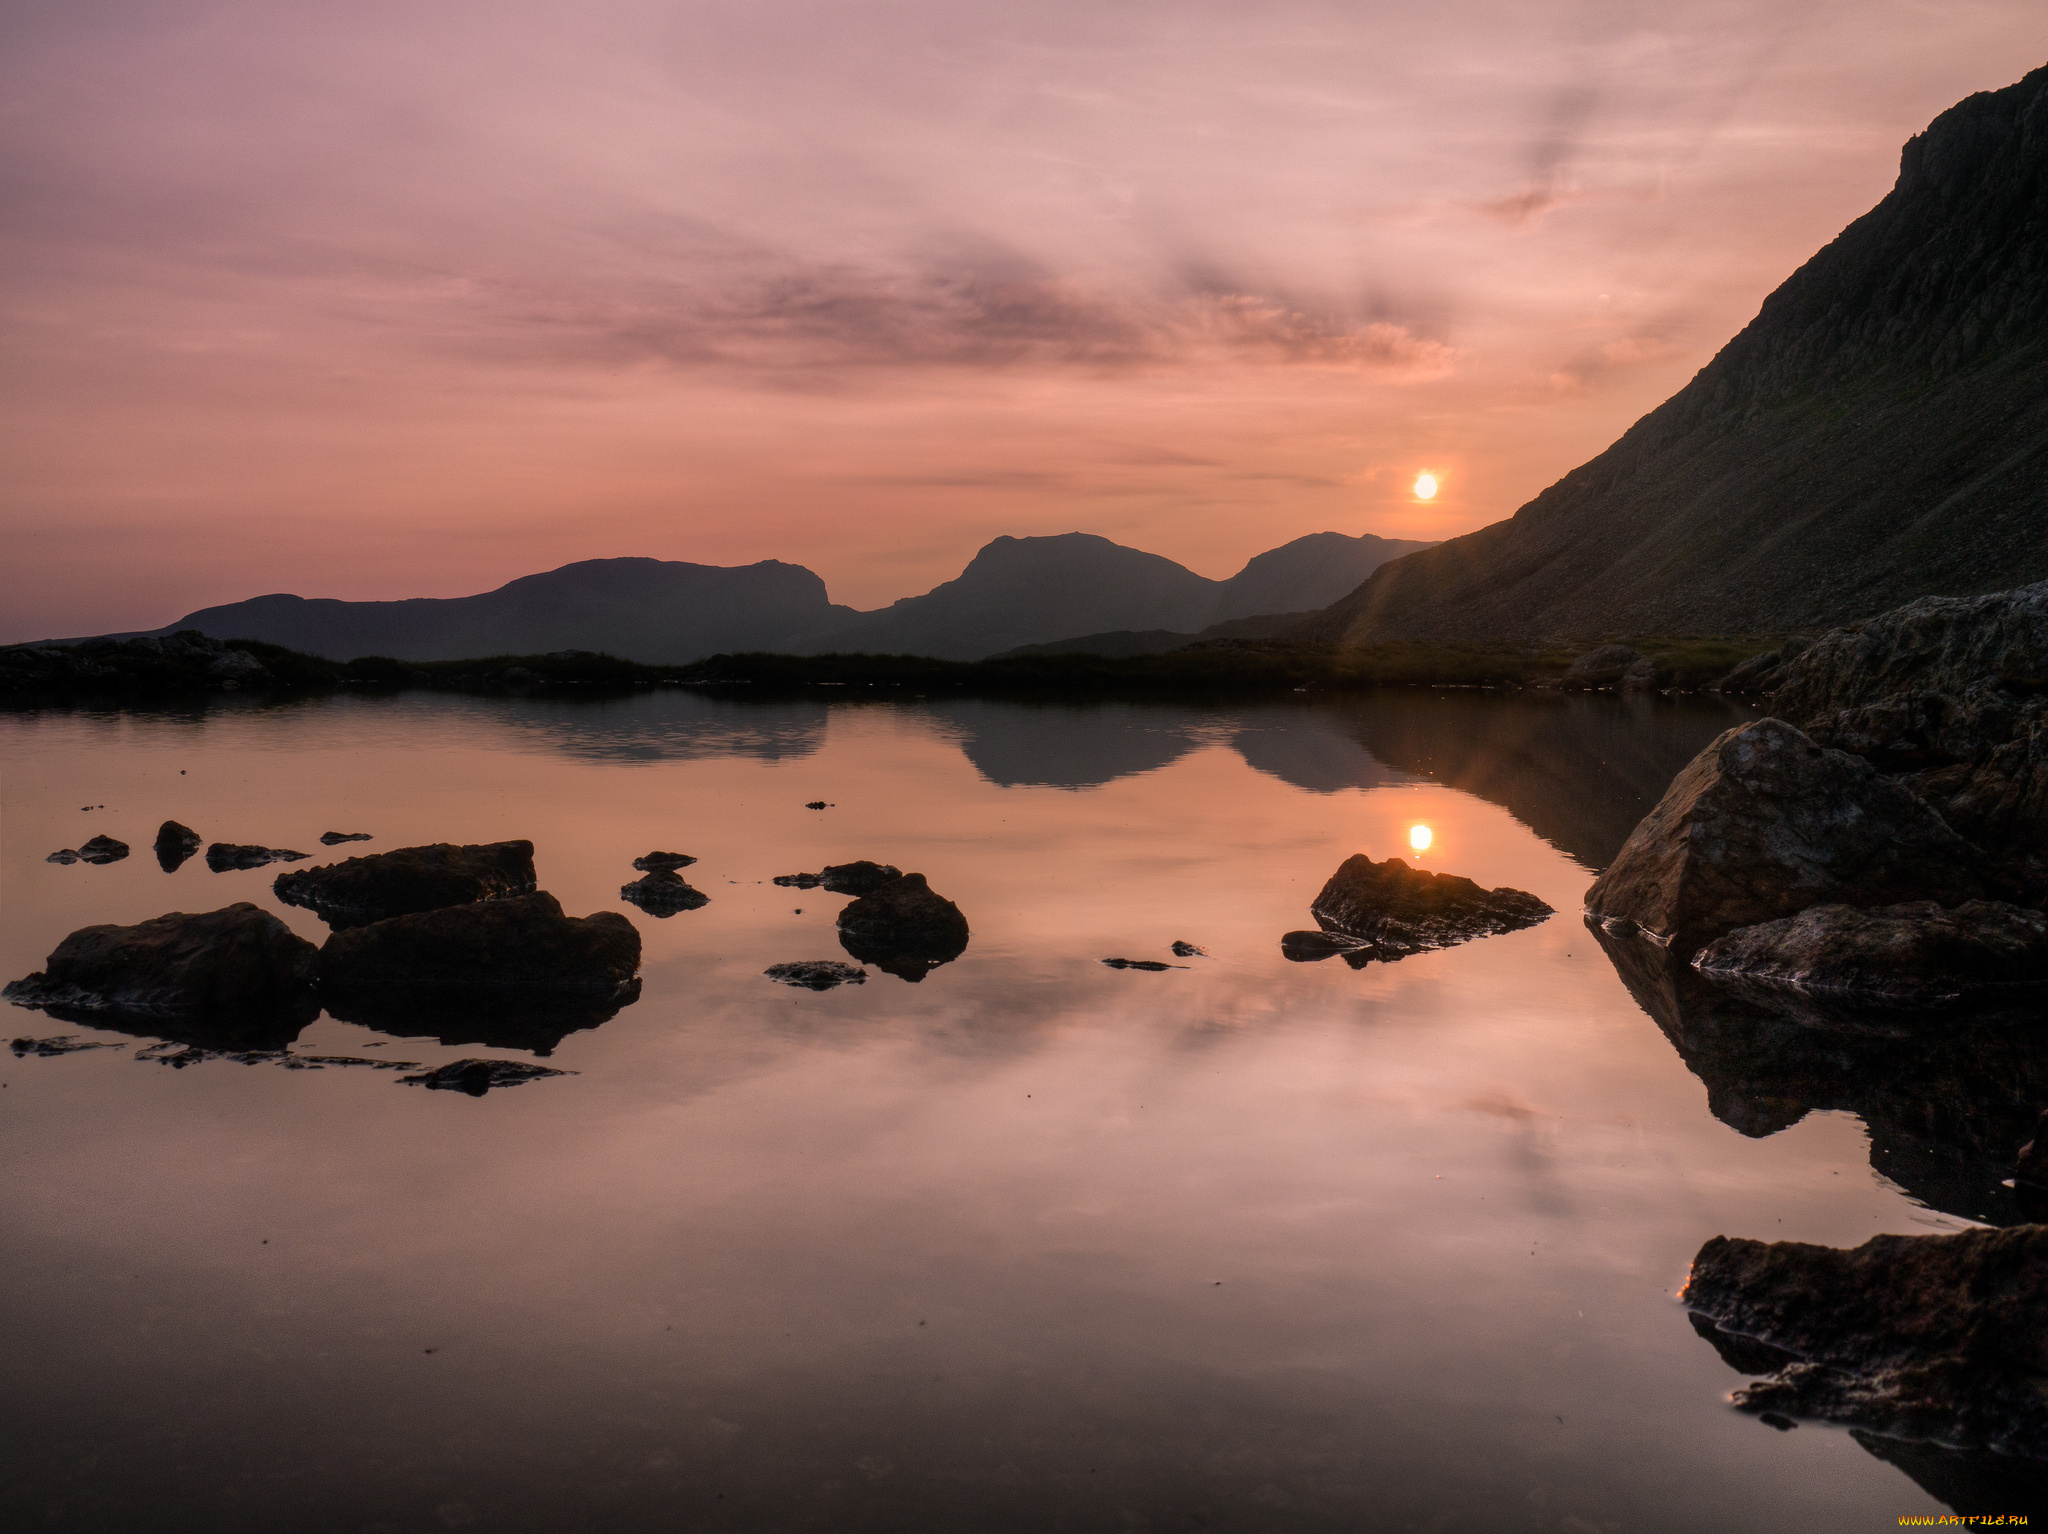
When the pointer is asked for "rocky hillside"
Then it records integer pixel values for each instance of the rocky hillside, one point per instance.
(1878, 433)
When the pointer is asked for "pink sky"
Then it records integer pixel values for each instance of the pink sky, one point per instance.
(386, 300)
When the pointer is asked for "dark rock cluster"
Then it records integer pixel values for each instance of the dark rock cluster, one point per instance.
(409, 880)
(1388, 910)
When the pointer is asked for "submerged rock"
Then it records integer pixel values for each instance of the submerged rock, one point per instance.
(517, 943)
(237, 961)
(1140, 964)
(663, 862)
(1919, 1337)
(174, 845)
(816, 974)
(858, 878)
(663, 893)
(477, 1077)
(102, 849)
(222, 856)
(409, 880)
(1917, 952)
(1764, 823)
(1188, 951)
(1312, 947)
(1398, 910)
(64, 855)
(61, 1044)
(903, 928)
(336, 838)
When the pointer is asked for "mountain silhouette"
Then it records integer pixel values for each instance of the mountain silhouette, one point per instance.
(1030, 591)
(1878, 433)
(653, 610)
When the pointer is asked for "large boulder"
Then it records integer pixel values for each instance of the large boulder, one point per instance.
(408, 880)
(235, 962)
(1397, 910)
(517, 943)
(1764, 823)
(1920, 1337)
(903, 928)
(1915, 953)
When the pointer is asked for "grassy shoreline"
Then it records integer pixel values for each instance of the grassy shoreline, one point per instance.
(1236, 667)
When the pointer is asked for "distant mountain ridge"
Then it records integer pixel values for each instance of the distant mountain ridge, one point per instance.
(1878, 433)
(1015, 591)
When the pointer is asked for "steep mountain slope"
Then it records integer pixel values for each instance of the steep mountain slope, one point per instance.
(1027, 591)
(651, 610)
(1879, 432)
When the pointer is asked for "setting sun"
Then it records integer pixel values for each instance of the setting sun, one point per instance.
(1419, 838)
(1425, 486)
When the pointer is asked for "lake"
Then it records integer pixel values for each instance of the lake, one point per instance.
(1031, 1243)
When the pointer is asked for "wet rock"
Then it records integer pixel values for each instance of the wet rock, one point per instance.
(477, 1077)
(1915, 953)
(1764, 823)
(1140, 964)
(174, 845)
(1189, 951)
(102, 849)
(1604, 667)
(409, 880)
(1311, 947)
(517, 943)
(663, 894)
(66, 855)
(1398, 910)
(663, 862)
(237, 961)
(858, 878)
(1918, 1337)
(222, 856)
(336, 838)
(816, 974)
(903, 928)
(800, 881)
(1945, 1094)
(2032, 1166)
(60, 1044)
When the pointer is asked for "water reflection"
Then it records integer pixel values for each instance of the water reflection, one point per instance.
(1577, 769)
(1948, 1098)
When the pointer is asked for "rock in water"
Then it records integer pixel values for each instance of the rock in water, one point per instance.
(336, 838)
(1401, 910)
(1182, 950)
(903, 928)
(517, 943)
(222, 856)
(103, 849)
(1764, 823)
(1140, 964)
(409, 880)
(816, 974)
(858, 878)
(663, 862)
(65, 855)
(663, 893)
(234, 962)
(800, 881)
(174, 845)
(1915, 954)
(477, 1077)
(1307, 947)
(1920, 1337)
(61, 1044)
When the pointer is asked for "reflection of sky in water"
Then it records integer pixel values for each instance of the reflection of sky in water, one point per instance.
(1031, 1244)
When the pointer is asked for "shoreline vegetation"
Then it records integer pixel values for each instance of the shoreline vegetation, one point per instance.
(190, 662)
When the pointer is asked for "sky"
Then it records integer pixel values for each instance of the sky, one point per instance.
(377, 300)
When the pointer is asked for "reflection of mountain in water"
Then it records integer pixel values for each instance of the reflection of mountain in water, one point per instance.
(672, 724)
(1312, 748)
(1948, 1097)
(1079, 745)
(1578, 770)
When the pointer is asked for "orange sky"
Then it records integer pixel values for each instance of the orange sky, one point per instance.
(387, 300)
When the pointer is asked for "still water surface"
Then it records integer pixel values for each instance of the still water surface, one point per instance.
(1031, 1244)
